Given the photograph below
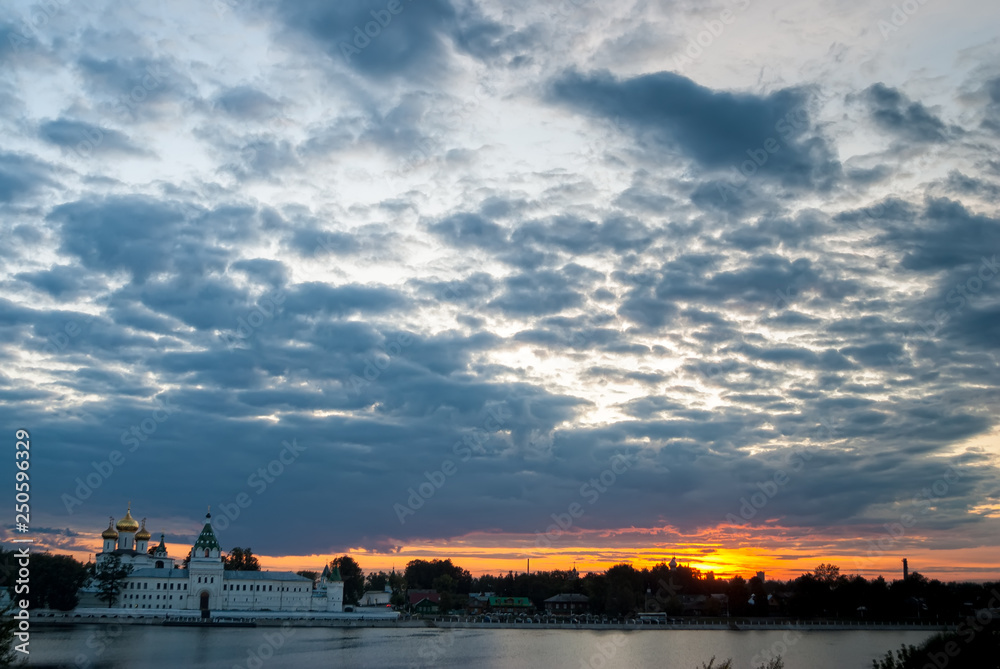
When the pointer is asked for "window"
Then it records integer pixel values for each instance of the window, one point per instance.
(157, 586)
(206, 552)
(145, 586)
(213, 579)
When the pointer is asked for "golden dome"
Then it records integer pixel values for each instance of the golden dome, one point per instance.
(143, 534)
(110, 532)
(127, 524)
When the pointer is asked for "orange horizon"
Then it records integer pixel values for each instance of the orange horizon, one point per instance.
(500, 554)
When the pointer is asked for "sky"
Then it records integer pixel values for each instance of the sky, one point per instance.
(577, 282)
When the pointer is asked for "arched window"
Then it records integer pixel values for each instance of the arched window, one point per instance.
(206, 552)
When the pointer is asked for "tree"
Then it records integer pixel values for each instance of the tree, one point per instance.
(8, 627)
(376, 581)
(56, 580)
(241, 559)
(420, 574)
(624, 587)
(110, 577)
(828, 573)
(311, 575)
(776, 663)
(976, 650)
(353, 577)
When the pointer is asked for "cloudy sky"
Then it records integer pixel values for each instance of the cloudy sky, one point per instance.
(577, 282)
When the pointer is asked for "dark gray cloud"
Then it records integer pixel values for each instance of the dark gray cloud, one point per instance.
(23, 176)
(456, 238)
(138, 234)
(715, 129)
(893, 111)
(415, 40)
(87, 139)
(246, 102)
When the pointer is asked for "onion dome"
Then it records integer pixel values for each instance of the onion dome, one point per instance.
(109, 533)
(143, 534)
(127, 524)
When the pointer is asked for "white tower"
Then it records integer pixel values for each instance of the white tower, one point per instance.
(205, 570)
(142, 539)
(331, 581)
(110, 536)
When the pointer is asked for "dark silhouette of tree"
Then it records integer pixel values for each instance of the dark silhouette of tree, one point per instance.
(311, 575)
(8, 626)
(353, 577)
(965, 648)
(241, 559)
(376, 581)
(420, 574)
(624, 589)
(109, 578)
(56, 581)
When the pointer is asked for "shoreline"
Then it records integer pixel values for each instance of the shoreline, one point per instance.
(262, 619)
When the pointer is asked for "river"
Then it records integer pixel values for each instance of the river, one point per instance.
(153, 647)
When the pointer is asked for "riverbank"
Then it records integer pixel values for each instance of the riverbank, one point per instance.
(380, 619)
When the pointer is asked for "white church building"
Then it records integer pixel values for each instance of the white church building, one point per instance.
(156, 583)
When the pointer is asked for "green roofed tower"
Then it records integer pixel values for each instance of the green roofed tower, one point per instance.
(206, 546)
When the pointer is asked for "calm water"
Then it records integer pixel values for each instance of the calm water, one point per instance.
(273, 648)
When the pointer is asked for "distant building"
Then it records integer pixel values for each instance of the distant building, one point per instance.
(566, 605)
(415, 595)
(206, 584)
(760, 576)
(426, 606)
(478, 603)
(511, 605)
(376, 597)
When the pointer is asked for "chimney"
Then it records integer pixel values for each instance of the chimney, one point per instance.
(906, 569)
